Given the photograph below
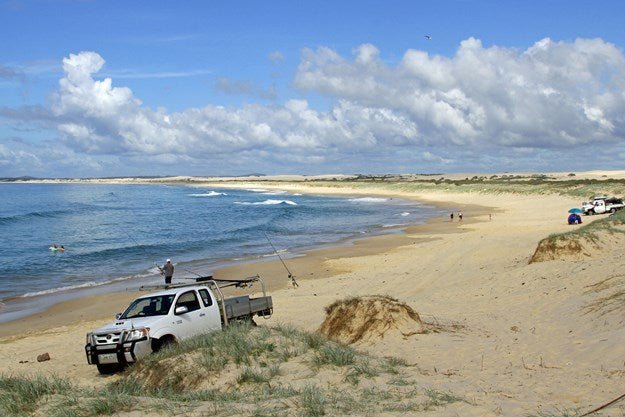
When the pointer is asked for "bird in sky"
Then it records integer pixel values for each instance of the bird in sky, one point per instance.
(428, 37)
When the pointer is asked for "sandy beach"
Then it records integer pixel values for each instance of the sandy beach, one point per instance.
(521, 337)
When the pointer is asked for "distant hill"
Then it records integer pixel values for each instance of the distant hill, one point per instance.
(23, 178)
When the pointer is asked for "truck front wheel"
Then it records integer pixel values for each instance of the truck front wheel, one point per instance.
(109, 368)
(158, 344)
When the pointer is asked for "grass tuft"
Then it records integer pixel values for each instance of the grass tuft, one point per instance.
(20, 396)
(313, 401)
(440, 398)
(334, 354)
(252, 375)
(361, 369)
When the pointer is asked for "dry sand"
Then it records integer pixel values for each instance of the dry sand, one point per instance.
(524, 339)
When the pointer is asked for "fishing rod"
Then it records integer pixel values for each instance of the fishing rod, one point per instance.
(191, 272)
(291, 276)
(145, 251)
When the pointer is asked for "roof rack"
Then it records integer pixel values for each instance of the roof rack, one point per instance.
(207, 280)
(221, 283)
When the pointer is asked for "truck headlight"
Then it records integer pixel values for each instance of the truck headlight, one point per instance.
(89, 339)
(136, 334)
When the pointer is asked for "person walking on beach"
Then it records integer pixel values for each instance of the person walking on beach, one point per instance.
(459, 216)
(451, 216)
(168, 271)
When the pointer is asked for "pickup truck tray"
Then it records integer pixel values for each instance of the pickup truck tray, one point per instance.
(244, 306)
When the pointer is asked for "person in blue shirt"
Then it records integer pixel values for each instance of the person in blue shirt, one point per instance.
(574, 218)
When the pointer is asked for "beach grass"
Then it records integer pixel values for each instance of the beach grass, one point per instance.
(20, 395)
(334, 354)
(581, 240)
(591, 231)
(177, 381)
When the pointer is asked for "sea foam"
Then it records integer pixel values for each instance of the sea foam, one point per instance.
(209, 194)
(269, 202)
(88, 284)
(368, 200)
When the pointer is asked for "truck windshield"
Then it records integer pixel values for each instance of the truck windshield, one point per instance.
(149, 306)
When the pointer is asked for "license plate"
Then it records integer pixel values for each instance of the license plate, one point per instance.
(107, 358)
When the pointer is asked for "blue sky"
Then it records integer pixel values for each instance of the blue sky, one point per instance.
(223, 88)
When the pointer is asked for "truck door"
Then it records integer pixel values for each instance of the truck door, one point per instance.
(188, 323)
(600, 207)
(210, 315)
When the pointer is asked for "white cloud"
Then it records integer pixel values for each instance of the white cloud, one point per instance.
(18, 162)
(104, 119)
(551, 95)
(476, 108)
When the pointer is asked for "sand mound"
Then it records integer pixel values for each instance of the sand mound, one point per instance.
(574, 247)
(560, 248)
(369, 318)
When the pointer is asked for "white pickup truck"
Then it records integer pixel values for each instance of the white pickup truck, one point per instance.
(601, 205)
(175, 313)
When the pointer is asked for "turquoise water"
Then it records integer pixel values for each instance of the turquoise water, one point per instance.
(115, 233)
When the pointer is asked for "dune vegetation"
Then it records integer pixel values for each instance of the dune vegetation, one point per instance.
(243, 370)
(539, 184)
(585, 241)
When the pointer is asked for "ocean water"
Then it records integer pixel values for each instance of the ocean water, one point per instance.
(119, 233)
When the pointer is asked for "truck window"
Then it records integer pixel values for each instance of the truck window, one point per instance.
(149, 306)
(206, 298)
(189, 300)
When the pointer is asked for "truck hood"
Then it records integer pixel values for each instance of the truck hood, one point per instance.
(128, 324)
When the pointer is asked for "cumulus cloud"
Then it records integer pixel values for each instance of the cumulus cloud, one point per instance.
(479, 106)
(101, 118)
(551, 95)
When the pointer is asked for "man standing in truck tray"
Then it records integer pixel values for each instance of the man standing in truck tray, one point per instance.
(168, 271)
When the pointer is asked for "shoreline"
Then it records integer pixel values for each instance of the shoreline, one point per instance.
(516, 338)
(300, 260)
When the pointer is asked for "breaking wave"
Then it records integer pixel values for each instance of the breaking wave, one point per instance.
(88, 284)
(209, 194)
(368, 200)
(269, 202)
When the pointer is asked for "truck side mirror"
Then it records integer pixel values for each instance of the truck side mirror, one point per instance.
(117, 316)
(181, 310)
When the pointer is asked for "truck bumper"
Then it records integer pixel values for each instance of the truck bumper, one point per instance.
(121, 353)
